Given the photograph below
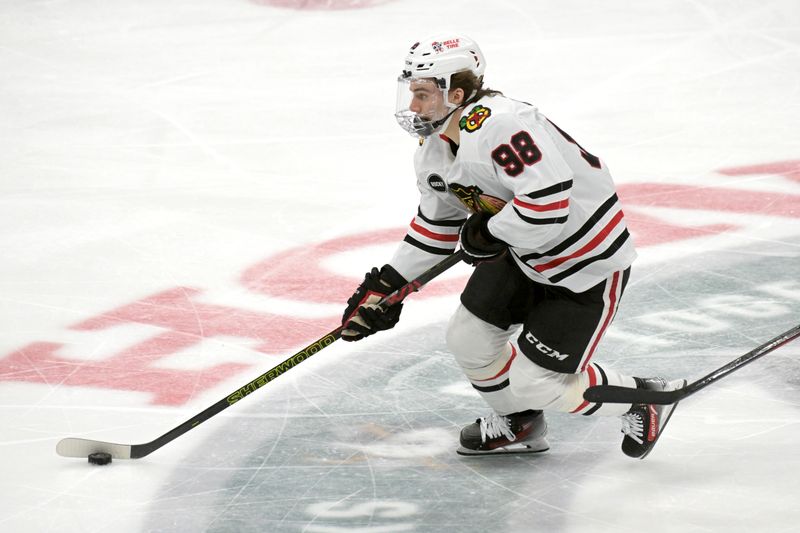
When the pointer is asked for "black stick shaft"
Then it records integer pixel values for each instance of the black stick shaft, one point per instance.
(617, 394)
(141, 450)
(749, 357)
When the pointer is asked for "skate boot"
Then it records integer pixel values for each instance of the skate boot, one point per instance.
(515, 433)
(643, 424)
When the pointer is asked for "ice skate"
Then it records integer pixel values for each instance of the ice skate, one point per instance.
(643, 424)
(515, 433)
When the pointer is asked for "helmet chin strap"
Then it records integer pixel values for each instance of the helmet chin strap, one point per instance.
(426, 129)
(436, 124)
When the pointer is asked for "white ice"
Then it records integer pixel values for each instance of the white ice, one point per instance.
(194, 150)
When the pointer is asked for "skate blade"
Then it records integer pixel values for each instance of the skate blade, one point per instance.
(538, 446)
(674, 385)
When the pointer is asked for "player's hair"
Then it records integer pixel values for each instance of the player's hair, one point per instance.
(468, 82)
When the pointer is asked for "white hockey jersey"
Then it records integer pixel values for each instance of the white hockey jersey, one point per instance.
(554, 203)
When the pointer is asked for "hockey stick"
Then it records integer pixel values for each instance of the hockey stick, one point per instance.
(618, 394)
(75, 447)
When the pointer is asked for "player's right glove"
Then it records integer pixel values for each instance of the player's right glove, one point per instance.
(363, 316)
(477, 241)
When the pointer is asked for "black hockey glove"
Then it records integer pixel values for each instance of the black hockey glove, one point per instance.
(363, 316)
(478, 243)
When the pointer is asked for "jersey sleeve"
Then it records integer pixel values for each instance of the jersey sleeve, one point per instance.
(432, 234)
(527, 162)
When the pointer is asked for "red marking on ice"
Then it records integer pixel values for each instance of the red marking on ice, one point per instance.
(650, 231)
(129, 370)
(321, 5)
(186, 323)
(177, 310)
(300, 274)
(787, 169)
(710, 199)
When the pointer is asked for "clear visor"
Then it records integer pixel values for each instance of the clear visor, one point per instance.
(421, 105)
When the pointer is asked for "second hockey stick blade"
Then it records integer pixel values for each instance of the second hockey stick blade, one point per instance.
(617, 394)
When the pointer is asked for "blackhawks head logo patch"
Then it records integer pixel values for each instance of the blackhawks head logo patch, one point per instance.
(475, 119)
(476, 200)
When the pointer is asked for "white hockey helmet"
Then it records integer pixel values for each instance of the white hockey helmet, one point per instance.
(435, 59)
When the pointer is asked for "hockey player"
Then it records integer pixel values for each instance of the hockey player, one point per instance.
(539, 218)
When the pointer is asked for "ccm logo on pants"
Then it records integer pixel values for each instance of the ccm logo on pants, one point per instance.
(542, 347)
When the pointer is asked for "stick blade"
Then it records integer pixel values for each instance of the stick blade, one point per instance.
(73, 447)
(618, 394)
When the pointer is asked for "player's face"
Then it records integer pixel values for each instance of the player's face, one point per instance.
(426, 100)
(420, 105)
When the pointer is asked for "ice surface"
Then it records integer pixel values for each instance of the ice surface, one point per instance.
(190, 190)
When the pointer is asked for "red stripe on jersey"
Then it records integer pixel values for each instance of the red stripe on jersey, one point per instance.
(610, 311)
(592, 383)
(435, 236)
(505, 368)
(588, 247)
(545, 207)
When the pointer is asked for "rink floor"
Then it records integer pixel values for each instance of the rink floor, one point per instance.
(189, 193)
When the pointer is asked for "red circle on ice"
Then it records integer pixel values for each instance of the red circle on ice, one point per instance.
(321, 5)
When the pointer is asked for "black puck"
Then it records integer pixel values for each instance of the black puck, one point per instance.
(99, 458)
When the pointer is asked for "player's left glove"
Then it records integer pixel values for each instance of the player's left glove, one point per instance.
(363, 316)
(477, 241)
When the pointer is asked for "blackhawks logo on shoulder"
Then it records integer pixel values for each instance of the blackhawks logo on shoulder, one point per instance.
(476, 200)
(475, 119)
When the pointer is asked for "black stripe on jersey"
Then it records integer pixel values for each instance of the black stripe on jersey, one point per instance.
(427, 248)
(604, 208)
(493, 388)
(443, 223)
(593, 410)
(558, 187)
(540, 221)
(603, 377)
(611, 250)
(603, 381)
